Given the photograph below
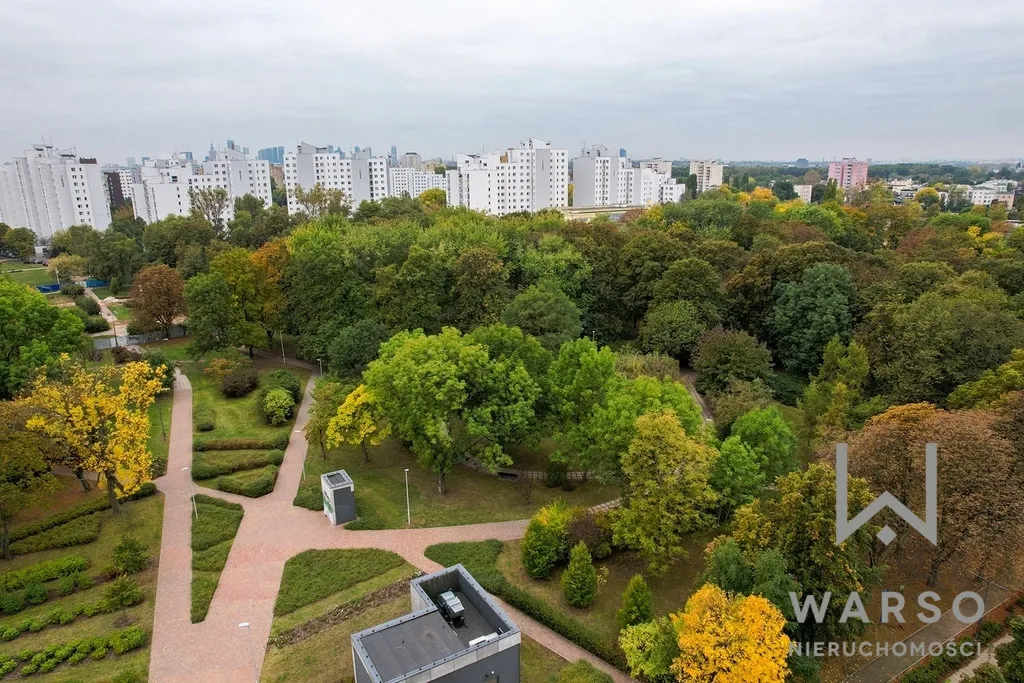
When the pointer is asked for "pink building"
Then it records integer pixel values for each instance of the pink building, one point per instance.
(849, 173)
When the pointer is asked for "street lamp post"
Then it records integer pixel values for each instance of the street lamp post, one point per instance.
(321, 366)
(408, 510)
(280, 334)
(252, 657)
(56, 274)
(192, 491)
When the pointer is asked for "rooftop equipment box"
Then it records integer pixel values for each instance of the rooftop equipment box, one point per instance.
(339, 494)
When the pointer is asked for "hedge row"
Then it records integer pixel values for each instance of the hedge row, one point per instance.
(76, 532)
(12, 602)
(480, 559)
(48, 659)
(41, 572)
(123, 593)
(250, 483)
(97, 504)
(241, 443)
(938, 669)
(226, 462)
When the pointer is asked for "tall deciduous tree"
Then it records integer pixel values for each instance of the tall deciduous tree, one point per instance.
(21, 242)
(158, 296)
(25, 478)
(33, 334)
(322, 201)
(672, 328)
(328, 395)
(545, 312)
(210, 203)
(737, 475)
(667, 490)
(722, 356)
(480, 287)
(358, 419)
(809, 313)
(730, 640)
(212, 320)
(768, 433)
(101, 419)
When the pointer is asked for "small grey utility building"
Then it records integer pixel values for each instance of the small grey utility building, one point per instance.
(456, 633)
(339, 496)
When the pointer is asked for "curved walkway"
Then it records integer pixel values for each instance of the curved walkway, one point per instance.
(272, 531)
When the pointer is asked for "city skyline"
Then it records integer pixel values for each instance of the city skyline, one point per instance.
(680, 82)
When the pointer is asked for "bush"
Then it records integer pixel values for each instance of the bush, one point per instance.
(988, 631)
(76, 532)
(84, 582)
(12, 603)
(219, 463)
(122, 593)
(130, 556)
(123, 354)
(278, 406)
(594, 532)
(240, 382)
(35, 594)
(986, 673)
(250, 483)
(279, 442)
(127, 640)
(129, 676)
(788, 388)
(556, 474)
(87, 304)
(637, 603)
(96, 323)
(68, 565)
(205, 418)
(546, 542)
(282, 379)
(583, 672)
(72, 289)
(157, 359)
(579, 582)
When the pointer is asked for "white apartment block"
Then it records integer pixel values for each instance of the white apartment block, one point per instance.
(600, 179)
(410, 160)
(709, 174)
(164, 184)
(657, 165)
(129, 176)
(415, 182)
(360, 178)
(530, 177)
(48, 189)
(804, 192)
(990, 191)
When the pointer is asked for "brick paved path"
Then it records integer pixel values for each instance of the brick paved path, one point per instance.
(271, 531)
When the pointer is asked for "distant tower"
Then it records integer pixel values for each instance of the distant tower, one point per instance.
(394, 156)
(622, 152)
(356, 149)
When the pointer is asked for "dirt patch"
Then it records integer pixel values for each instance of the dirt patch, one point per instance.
(341, 613)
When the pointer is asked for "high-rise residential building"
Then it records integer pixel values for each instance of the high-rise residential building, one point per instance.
(804, 192)
(393, 159)
(360, 177)
(414, 181)
(530, 177)
(115, 192)
(849, 173)
(709, 174)
(274, 155)
(49, 189)
(600, 179)
(410, 160)
(658, 165)
(165, 183)
(622, 152)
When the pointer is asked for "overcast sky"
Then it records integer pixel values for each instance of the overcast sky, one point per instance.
(733, 79)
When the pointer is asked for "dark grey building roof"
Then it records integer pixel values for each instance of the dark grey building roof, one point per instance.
(337, 479)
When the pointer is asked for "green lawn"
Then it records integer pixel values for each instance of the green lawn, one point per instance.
(122, 311)
(315, 574)
(472, 497)
(213, 532)
(60, 300)
(33, 275)
(174, 349)
(159, 425)
(102, 292)
(142, 519)
(495, 564)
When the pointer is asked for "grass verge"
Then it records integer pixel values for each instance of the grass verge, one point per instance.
(315, 574)
(213, 532)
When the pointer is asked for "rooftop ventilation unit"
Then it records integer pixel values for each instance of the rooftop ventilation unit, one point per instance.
(451, 608)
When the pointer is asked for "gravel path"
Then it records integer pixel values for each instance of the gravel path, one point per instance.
(272, 531)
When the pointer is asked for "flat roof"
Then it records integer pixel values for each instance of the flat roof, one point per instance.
(337, 480)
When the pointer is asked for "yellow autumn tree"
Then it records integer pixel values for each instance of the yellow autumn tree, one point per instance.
(359, 419)
(730, 640)
(100, 418)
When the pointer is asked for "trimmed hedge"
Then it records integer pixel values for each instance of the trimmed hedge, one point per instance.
(480, 559)
(87, 304)
(241, 443)
(240, 382)
(937, 669)
(217, 463)
(249, 483)
(205, 418)
(41, 572)
(121, 594)
(43, 661)
(97, 504)
(96, 323)
(72, 289)
(76, 532)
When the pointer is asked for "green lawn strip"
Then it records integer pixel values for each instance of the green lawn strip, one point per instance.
(59, 299)
(795, 417)
(472, 497)
(33, 275)
(102, 292)
(326, 656)
(286, 622)
(142, 519)
(212, 535)
(537, 664)
(211, 464)
(173, 349)
(159, 436)
(121, 311)
(316, 574)
(249, 483)
(498, 568)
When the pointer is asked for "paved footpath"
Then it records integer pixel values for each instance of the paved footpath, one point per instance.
(272, 531)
